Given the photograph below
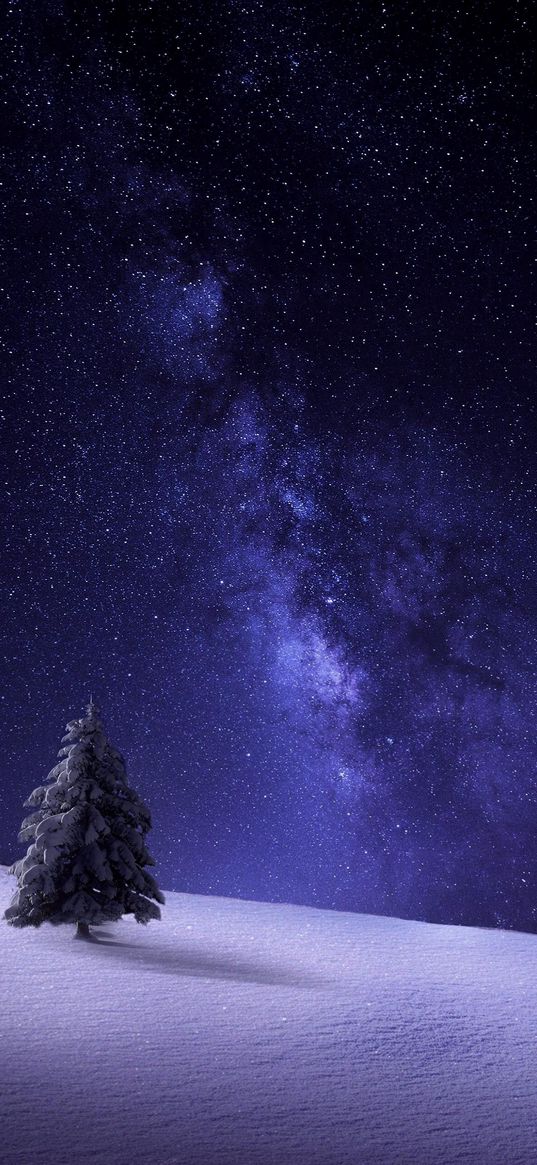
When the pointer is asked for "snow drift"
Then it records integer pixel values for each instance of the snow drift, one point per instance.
(243, 1033)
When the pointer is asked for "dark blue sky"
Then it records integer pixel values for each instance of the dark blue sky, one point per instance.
(270, 439)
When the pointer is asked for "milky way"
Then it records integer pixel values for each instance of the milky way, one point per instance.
(270, 440)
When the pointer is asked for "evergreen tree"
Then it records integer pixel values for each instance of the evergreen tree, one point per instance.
(86, 861)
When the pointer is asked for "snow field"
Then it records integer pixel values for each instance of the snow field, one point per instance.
(243, 1033)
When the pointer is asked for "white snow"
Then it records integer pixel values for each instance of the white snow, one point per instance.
(242, 1033)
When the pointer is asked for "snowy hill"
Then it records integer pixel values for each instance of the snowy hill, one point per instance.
(250, 1034)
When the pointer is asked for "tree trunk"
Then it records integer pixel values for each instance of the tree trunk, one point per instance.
(82, 930)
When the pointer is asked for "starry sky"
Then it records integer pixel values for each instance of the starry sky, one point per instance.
(269, 438)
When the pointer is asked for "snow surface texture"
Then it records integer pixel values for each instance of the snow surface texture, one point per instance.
(242, 1033)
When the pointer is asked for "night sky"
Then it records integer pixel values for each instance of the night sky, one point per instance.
(269, 429)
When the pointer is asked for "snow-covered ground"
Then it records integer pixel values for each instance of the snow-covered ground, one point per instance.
(247, 1034)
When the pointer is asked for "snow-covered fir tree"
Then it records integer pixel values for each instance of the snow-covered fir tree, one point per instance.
(86, 861)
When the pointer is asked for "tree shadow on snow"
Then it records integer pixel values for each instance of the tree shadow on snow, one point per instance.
(191, 963)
